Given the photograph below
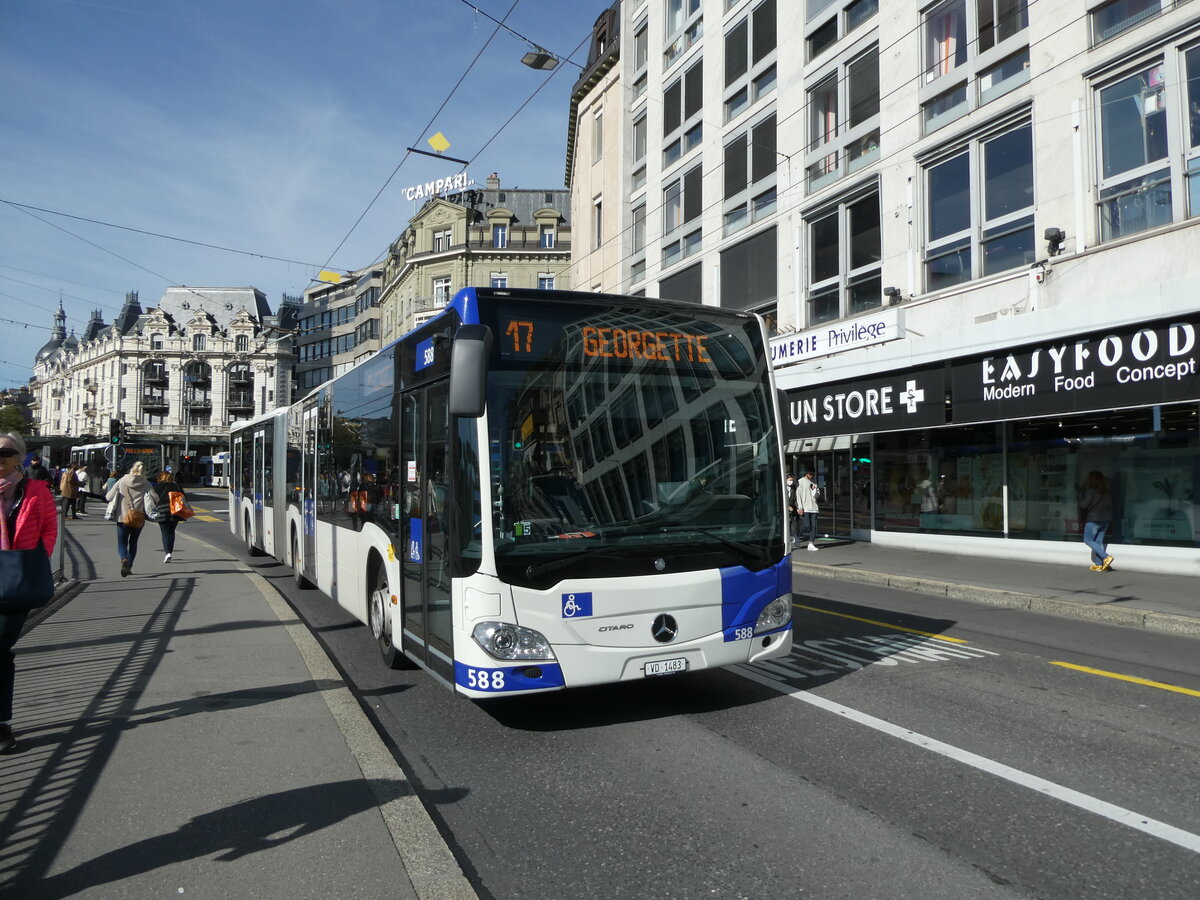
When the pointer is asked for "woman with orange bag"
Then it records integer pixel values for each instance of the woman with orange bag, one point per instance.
(167, 520)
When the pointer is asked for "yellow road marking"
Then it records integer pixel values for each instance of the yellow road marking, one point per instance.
(1131, 678)
(206, 519)
(829, 612)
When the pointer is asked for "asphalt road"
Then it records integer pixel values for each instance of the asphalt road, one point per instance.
(910, 746)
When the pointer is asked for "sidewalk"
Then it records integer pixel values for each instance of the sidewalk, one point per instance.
(1159, 602)
(182, 734)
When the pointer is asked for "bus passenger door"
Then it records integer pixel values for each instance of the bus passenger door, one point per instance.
(259, 464)
(425, 476)
(308, 494)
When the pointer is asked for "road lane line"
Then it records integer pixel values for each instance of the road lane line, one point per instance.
(1161, 830)
(830, 612)
(1131, 678)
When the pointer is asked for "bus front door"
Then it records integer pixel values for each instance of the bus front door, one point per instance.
(425, 475)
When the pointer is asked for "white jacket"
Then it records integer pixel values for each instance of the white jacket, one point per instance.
(806, 495)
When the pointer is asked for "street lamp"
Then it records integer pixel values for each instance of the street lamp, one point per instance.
(538, 58)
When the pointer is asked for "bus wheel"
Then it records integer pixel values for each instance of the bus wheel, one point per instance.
(297, 572)
(378, 604)
(251, 550)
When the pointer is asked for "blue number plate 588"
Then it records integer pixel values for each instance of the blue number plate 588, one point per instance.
(666, 666)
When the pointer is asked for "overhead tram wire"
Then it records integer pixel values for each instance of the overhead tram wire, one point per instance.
(166, 237)
(522, 37)
(432, 119)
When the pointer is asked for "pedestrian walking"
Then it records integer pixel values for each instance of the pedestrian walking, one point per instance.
(83, 478)
(28, 514)
(167, 521)
(112, 479)
(806, 502)
(1095, 508)
(789, 496)
(127, 505)
(68, 489)
(37, 471)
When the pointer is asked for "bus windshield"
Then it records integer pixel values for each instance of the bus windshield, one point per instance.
(625, 437)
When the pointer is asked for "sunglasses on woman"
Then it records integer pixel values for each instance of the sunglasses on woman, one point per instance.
(9, 452)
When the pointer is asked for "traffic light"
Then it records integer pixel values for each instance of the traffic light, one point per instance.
(114, 431)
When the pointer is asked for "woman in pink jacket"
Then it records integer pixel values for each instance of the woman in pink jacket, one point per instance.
(28, 514)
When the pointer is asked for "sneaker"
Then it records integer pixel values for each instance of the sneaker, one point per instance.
(812, 546)
(125, 569)
(167, 558)
(1107, 564)
(1096, 568)
(8, 743)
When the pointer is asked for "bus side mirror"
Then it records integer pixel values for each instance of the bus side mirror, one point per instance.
(468, 370)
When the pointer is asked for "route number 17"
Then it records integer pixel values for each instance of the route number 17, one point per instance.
(514, 331)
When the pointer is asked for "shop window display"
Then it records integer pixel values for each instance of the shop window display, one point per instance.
(952, 480)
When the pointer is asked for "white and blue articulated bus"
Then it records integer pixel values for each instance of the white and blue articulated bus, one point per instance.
(537, 490)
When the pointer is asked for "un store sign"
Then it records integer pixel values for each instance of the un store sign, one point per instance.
(1142, 365)
(912, 399)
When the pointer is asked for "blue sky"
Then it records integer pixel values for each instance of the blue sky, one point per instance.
(261, 126)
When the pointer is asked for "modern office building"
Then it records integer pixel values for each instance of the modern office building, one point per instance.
(971, 226)
(339, 326)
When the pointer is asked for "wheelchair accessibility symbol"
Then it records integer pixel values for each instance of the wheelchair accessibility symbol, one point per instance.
(576, 606)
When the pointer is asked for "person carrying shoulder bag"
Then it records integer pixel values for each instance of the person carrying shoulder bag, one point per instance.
(167, 520)
(127, 501)
(28, 517)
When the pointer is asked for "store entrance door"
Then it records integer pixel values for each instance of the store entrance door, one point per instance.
(834, 501)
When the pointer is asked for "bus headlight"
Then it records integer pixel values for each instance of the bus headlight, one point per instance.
(777, 614)
(505, 641)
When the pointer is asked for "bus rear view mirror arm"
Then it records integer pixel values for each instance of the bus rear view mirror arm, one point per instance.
(468, 370)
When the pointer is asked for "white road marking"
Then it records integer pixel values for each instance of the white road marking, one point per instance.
(1153, 827)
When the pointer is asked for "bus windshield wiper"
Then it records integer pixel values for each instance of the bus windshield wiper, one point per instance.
(554, 565)
(759, 554)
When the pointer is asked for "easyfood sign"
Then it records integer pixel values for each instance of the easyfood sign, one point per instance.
(1150, 364)
(861, 332)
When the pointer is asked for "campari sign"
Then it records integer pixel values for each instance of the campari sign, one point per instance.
(1135, 366)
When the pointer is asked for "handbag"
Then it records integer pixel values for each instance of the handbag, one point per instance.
(110, 511)
(179, 505)
(26, 579)
(133, 518)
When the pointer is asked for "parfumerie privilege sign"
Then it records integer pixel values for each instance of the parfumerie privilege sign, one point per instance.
(914, 399)
(1155, 362)
(877, 328)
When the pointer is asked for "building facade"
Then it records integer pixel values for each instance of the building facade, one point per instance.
(179, 373)
(495, 237)
(339, 326)
(967, 224)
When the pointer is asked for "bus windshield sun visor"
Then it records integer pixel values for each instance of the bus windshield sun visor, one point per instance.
(468, 370)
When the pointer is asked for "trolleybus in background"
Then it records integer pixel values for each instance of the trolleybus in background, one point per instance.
(537, 490)
(104, 457)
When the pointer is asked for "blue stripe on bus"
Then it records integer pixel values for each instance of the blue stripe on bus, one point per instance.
(745, 594)
(505, 679)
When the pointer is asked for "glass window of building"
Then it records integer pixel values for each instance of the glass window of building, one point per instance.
(546, 237)
(683, 126)
(441, 290)
(597, 135)
(843, 117)
(499, 279)
(1135, 169)
(639, 152)
(974, 52)
(749, 273)
(199, 342)
(499, 236)
(749, 175)
(156, 342)
(980, 206)
(681, 209)
(441, 240)
(750, 52)
(241, 343)
(828, 21)
(1192, 65)
(1117, 16)
(845, 253)
(684, 26)
(545, 281)
(597, 223)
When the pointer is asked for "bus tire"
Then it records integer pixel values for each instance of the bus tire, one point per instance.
(251, 550)
(378, 602)
(297, 572)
